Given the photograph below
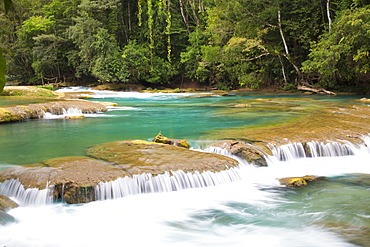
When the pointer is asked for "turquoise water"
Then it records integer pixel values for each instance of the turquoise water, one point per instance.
(334, 211)
(141, 116)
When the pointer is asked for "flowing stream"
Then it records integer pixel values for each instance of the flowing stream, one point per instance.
(240, 207)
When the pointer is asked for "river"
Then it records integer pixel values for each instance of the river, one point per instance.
(333, 211)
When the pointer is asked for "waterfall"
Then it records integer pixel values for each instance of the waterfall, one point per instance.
(224, 152)
(311, 149)
(167, 182)
(70, 112)
(32, 196)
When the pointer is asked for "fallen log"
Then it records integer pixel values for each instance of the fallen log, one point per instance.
(315, 90)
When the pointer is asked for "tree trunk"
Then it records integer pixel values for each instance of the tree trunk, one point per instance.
(283, 70)
(282, 34)
(328, 13)
(183, 16)
(315, 90)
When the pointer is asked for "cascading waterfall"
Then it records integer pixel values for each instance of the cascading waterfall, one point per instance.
(66, 113)
(179, 180)
(311, 149)
(14, 189)
(224, 152)
(167, 182)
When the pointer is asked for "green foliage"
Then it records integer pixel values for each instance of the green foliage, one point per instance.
(225, 44)
(2, 70)
(343, 54)
(289, 87)
(142, 67)
(7, 4)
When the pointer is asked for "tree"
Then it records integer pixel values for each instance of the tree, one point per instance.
(7, 4)
(342, 56)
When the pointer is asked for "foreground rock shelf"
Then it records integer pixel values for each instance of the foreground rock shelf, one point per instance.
(34, 111)
(74, 179)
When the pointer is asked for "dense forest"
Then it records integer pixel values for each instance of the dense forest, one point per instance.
(224, 44)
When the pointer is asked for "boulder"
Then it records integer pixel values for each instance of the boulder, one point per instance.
(162, 139)
(243, 150)
(297, 181)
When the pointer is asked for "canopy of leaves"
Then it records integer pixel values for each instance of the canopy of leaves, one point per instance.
(225, 44)
(343, 54)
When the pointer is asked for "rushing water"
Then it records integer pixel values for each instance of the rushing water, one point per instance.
(252, 209)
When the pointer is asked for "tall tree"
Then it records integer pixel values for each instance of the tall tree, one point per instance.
(342, 56)
(7, 4)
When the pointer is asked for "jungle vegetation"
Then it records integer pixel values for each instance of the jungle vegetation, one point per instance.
(224, 44)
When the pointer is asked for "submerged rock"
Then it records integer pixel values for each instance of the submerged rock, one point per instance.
(243, 106)
(356, 234)
(5, 218)
(297, 181)
(243, 150)
(162, 139)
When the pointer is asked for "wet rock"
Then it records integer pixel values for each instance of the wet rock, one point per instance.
(244, 150)
(23, 112)
(162, 139)
(139, 157)
(6, 203)
(73, 178)
(297, 181)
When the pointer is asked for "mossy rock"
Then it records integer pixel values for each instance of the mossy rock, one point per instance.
(162, 139)
(29, 91)
(137, 157)
(34, 111)
(297, 181)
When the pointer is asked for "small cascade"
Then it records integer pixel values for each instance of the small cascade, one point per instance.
(13, 188)
(70, 112)
(330, 149)
(222, 151)
(177, 180)
(289, 151)
(311, 149)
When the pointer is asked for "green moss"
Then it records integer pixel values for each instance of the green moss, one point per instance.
(28, 92)
(48, 87)
(7, 116)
